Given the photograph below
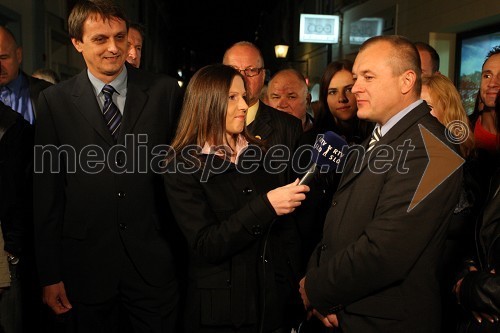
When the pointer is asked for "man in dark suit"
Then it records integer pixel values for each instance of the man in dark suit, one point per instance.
(16, 149)
(263, 121)
(17, 90)
(375, 269)
(99, 207)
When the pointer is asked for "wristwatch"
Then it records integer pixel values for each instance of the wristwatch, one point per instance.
(13, 260)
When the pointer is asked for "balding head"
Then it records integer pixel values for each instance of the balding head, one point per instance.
(287, 91)
(246, 56)
(11, 56)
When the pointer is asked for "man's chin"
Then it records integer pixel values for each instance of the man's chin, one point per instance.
(362, 114)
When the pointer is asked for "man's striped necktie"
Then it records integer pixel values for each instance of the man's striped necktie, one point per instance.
(110, 111)
(376, 135)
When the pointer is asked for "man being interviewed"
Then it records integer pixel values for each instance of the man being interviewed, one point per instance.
(375, 269)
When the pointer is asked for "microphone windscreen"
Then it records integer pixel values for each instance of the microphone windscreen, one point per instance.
(328, 150)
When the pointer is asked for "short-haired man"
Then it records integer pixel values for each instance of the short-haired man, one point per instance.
(490, 79)
(135, 41)
(375, 269)
(17, 90)
(429, 59)
(287, 91)
(100, 214)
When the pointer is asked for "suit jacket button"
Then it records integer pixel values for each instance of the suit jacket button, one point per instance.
(257, 230)
(121, 194)
(123, 226)
(323, 247)
(247, 190)
(334, 203)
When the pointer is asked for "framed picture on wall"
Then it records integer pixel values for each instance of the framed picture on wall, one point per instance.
(472, 48)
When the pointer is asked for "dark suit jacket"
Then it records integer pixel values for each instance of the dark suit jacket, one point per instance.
(35, 86)
(87, 214)
(16, 147)
(377, 261)
(229, 224)
(275, 127)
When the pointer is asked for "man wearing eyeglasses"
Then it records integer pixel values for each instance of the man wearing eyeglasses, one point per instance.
(263, 121)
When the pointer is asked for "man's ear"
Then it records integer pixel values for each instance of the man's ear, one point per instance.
(408, 80)
(77, 44)
(19, 54)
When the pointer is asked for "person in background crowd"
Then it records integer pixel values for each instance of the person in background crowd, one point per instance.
(16, 145)
(429, 59)
(486, 124)
(478, 287)
(287, 91)
(241, 243)
(136, 41)
(375, 269)
(100, 233)
(264, 122)
(20, 92)
(338, 104)
(17, 90)
(46, 74)
(446, 105)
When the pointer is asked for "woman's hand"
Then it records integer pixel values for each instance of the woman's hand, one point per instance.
(286, 198)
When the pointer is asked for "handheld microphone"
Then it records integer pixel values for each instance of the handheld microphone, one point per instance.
(326, 153)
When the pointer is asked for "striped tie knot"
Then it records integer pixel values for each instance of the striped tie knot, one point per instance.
(376, 135)
(108, 91)
(110, 111)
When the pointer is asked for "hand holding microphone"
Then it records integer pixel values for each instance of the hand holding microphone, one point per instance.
(286, 198)
(327, 152)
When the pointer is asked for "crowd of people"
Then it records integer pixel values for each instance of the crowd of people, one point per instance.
(128, 205)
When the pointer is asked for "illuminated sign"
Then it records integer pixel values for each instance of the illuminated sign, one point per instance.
(319, 28)
(364, 29)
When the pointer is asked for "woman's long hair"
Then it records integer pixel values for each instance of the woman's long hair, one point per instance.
(445, 95)
(203, 115)
(325, 120)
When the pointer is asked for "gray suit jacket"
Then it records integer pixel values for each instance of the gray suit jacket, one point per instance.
(376, 265)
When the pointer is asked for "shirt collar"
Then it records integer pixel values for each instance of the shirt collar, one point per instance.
(398, 116)
(251, 113)
(119, 83)
(15, 85)
(241, 144)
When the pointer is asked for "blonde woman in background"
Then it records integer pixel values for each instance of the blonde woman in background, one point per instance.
(446, 105)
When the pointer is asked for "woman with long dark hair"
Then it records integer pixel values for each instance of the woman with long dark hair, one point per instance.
(243, 250)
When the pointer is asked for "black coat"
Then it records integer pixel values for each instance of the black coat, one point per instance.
(240, 255)
(16, 144)
(480, 290)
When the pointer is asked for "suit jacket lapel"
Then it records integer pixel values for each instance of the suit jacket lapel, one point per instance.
(395, 132)
(85, 102)
(134, 104)
(260, 126)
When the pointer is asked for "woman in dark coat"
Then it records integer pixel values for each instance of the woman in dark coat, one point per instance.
(243, 254)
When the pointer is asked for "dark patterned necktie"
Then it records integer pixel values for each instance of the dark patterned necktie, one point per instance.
(110, 111)
(376, 135)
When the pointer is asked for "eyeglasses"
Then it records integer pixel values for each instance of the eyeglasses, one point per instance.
(250, 71)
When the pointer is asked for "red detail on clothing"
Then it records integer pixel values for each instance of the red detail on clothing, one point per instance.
(484, 139)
